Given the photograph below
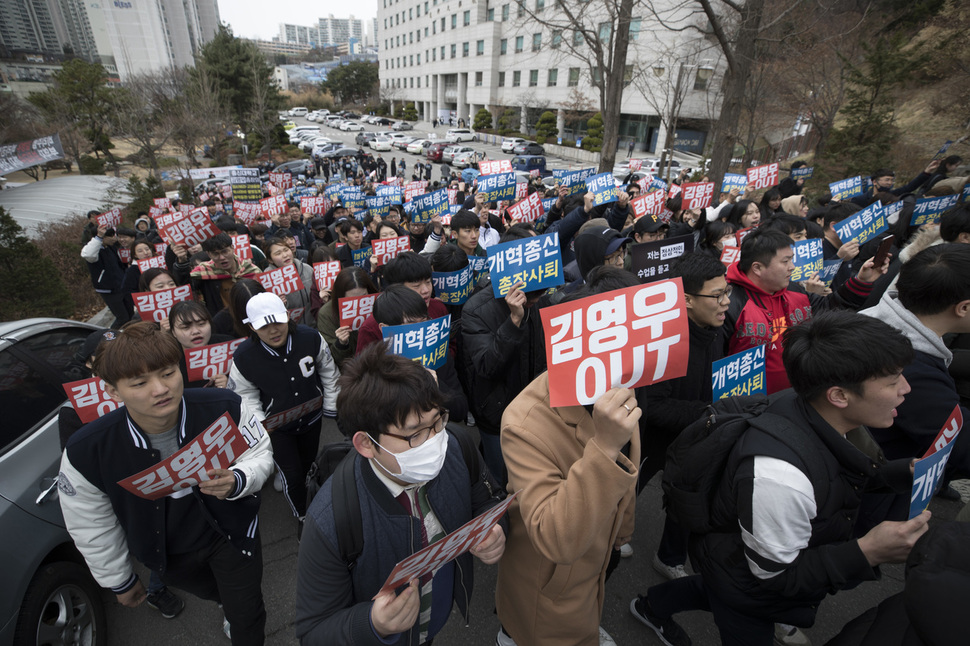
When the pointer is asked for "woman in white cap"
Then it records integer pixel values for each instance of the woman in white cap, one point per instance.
(286, 373)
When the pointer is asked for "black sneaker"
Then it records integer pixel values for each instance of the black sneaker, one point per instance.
(667, 630)
(166, 603)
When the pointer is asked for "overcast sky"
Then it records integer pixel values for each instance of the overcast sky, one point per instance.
(262, 18)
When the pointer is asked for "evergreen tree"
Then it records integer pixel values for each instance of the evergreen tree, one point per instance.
(594, 133)
(31, 284)
(508, 123)
(410, 113)
(483, 120)
(546, 128)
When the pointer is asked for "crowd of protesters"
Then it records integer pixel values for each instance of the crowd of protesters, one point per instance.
(881, 347)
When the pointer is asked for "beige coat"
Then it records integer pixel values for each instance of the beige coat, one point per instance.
(574, 505)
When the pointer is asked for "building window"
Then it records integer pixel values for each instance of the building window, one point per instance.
(505, 13)
(521, 11)
(605, 29)
(411, 14)
(443, 52)
(426, 8)
(434, 28)
(501, 79)
(516, 79)
(573, 76)
(519, 40)
(419, 58)
(434, 54)
(503, 46)
(442, 24)
(577, 38)
(703, 78)
(419, 82)
(533, 78)
(480, 48)
(556, 38)
(464, 50)
(553, 78)
(454, 49)
(540, 5)
(597, 74)
(426, 32)
(454, 21)
(536, 42)
(490, 16)
(635, 28)
(417, 14)
(478, 78)
(466, 18)
(411, 60)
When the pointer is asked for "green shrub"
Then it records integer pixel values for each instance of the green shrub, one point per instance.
(32, 285)
(483, 120)
(91, 165)
(546, 128)
(594, 133)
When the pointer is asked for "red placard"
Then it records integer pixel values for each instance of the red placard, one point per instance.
(155, 261)
(318, 205)
(528, 209)
(226, 190)
(281, 281)
(207, 361)
(674, 190)
(188, 229)
(215, 448)
(448, 548)
(324, 273)
(635, 164)
(730, 255)
(742, 234)
(163, 202)
(203, 197)
(124, 255)
(414, 189)
(649, 204)
(89, 399)
(948, 433)
(697, 195)
(354, 310)
(110, 218)
(535, 173)
(241, 247)
(625, 338)
(644, 183)
(452, 196)
(273, 206)
(247, 212)
(281, 180)
(521, 190)
(296, 314)
(282, 418)
(160, 249)
(495, 166)
(761, 177)
(389, 248)
(155, 306)
(185, 209)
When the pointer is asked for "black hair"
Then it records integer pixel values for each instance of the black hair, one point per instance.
(189, 312)
(516, 233)
(798, 164)
(397, 230)
(695, 269)
(151, 274)
(126, 231)
(786, 223)
(217, 242)
(449, 257)
(321, 252)
(952, 159)
(839, 212)
(771, 194)
(761, 245)
(714, 231)
(837, 348)
(737, 212)
(346, 225)
(239, 295)
(272, 241)
(398, 303)
(954, 222)
(882, 172)
(407, 267)
(349, 278)
(935, 279)
(465, 219)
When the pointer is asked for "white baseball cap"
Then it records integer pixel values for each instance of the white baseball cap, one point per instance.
(263, 309)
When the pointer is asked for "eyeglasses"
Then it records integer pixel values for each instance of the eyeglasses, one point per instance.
(720, 296)
(422, 435)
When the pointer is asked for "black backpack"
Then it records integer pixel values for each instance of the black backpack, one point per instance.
(337, 460)
(697, 458)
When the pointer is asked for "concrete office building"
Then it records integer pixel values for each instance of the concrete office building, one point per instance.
(450, 58)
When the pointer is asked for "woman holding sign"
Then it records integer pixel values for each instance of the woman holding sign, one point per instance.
(191, 325)
(342, 340)
(280, 255)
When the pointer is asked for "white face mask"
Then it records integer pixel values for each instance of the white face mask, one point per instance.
(422, 463)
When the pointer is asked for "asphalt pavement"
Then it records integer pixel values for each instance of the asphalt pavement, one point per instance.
(201, 621)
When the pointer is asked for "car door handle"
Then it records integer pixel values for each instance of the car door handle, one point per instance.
(46, 493)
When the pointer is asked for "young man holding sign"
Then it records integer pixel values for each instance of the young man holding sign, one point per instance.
(171, 479)
(414, 485)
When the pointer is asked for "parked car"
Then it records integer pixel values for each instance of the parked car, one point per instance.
(340, 152)
(211, 184)
(351, 126)
(48, 595)
(381, 121)
(350, 115)
(508, 143)
(402, 142)
(458, 135)
(528, 148)
(284, 115)
(529, 163)
(364, 137)
(319, 149)
(402, 125)
(288, 125)
(467, 159)
(450, 152)
(381, 143)
(298, 112)
(418, 146)
(296, 167)
(435, 150)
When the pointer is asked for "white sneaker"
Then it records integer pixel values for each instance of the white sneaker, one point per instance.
(278, 482)
(503, 639)
(786, 635)
(670, 572)
(605, 639)
(626, 551)
(225, 628)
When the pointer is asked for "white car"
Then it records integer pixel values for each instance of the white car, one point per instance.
(315, 142)
(458, 135)
(448, 154)
(418, 145)
(467, 159)
(380, 144)
(298, 112)
(508, 143)
(351, 126)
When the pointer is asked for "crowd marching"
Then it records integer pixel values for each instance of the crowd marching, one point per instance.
(793, 366)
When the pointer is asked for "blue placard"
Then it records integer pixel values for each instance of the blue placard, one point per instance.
(966, 193)
(500, 186)
(603, 187)
(927, 476)
(864, 225)
(379, 206)
(361, 257)
(426, 342)
(734, 180)
(807, 259)
(548, 203)
(740, 374)
(805, 172)
(535, 261)
(333, 190)
(657, 185)
(574, 180)
(453, 287)
(478, 263)
(941, 153)
(352, 198)
(847, 188)
(891, 211)
(829, 269)
(394, 192)
(429, 205)
(929, 209)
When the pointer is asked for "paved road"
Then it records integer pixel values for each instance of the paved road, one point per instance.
(201, 622)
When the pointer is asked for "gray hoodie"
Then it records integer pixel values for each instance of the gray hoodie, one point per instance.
(925, 340)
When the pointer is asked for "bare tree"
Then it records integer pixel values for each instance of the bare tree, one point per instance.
(262, 118)
(209, 111)
(142, 115)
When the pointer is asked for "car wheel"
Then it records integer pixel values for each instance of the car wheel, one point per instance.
(62, 606)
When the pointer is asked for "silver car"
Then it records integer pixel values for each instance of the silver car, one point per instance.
(48, 595)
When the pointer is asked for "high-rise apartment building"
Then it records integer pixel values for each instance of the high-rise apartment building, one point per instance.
(29, 26)
(327, 32)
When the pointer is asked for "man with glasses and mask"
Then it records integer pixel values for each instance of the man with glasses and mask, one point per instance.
(414, 486)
